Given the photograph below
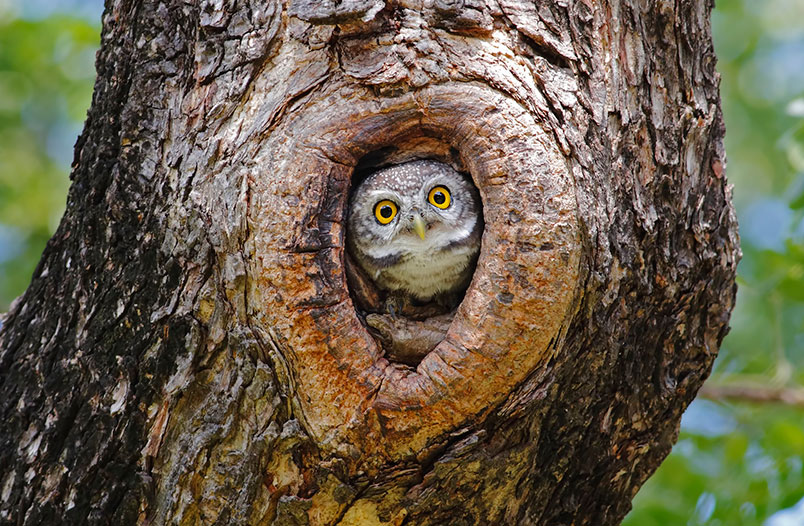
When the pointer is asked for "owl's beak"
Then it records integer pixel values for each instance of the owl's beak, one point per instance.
(418, 225)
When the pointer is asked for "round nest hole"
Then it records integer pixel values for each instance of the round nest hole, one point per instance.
(414, 228)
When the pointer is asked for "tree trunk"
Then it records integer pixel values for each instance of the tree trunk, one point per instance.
(189, 352)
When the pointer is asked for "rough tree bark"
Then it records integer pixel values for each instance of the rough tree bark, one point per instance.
(188, 351)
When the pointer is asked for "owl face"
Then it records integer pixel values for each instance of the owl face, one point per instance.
(411, 206)
(413, 221)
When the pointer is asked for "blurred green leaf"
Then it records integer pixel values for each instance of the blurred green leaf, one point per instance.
(736, 446)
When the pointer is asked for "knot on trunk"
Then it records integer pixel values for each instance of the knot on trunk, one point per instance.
(512, 317)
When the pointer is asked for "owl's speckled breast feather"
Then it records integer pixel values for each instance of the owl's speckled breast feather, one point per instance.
(428, 273)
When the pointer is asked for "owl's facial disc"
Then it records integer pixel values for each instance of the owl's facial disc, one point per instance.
(396, 221)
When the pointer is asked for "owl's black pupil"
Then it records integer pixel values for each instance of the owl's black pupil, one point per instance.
(386, 212)
(439, 198)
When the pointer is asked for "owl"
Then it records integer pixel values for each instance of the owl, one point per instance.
(415, 229)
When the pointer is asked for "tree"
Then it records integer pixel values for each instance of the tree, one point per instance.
(188, 350)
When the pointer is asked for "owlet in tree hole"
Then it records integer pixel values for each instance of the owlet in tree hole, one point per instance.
(415, 228)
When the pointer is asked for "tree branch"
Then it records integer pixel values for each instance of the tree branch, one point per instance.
(792, 396)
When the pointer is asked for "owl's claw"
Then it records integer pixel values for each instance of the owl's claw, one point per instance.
(395, 306)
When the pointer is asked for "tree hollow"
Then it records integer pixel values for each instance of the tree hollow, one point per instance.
(512, 315)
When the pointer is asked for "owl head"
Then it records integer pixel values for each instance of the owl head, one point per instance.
(415, 207)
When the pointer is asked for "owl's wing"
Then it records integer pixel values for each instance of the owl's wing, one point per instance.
(364, 292)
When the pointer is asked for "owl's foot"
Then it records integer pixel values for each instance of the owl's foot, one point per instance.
(408, 341)
(402, 305)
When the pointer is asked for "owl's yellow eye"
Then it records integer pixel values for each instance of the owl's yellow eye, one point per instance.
(385, 211)
(439, 197)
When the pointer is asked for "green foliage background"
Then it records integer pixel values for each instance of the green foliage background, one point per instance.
(46, 76)
(736, 463)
